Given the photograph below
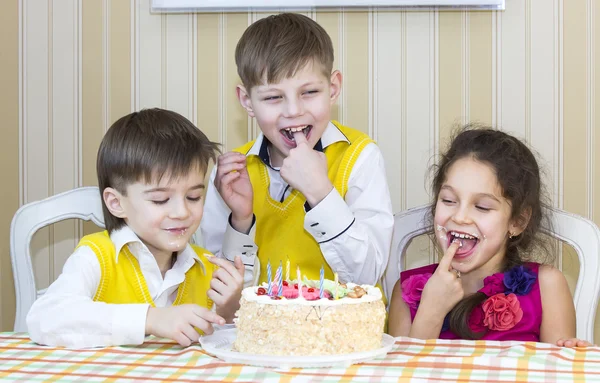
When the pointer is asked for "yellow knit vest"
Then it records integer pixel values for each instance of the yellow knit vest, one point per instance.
(280, 233)
(123, 281)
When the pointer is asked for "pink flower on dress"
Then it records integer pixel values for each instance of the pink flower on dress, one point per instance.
(476, 320)
(502, 312)
(412, 288)
(492, 285)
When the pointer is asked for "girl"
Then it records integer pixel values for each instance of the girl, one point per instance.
(486, 215)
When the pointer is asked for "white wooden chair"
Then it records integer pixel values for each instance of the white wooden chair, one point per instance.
(82, 203)
(580, 233)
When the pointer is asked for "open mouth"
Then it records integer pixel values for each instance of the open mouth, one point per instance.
(467, 242)
(289, 132)
(179, 231)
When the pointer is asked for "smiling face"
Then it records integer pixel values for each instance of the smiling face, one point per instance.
(164, 214)
(298, 103)
(470, 207)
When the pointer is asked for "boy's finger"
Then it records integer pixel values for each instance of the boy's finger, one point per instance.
(203, 325)
(208, 316)
(239, 265)
(225, 264)
(218, 285)
(191, 334)
(229, 178)
(300, 138)
(182, 339)
(229, 167)
(231, 157)
(446, 260)
(231, 154)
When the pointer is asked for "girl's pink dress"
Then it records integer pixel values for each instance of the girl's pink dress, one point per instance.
(512, 311)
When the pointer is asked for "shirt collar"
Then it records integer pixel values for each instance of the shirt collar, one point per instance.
(331, 135)
(125, 236)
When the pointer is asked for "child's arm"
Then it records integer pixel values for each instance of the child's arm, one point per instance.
(440, 294)
(220, 238)
(354, 232)
(226, 286)
(399, 319)
(558, 311)
(67, 316)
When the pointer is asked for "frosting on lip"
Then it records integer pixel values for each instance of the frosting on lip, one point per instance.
(310, 298)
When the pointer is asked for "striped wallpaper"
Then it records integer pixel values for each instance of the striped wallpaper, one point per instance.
(69, 68)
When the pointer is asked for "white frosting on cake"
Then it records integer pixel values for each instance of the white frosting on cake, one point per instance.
(372, 294)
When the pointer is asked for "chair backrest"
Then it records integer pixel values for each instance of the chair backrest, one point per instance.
(580, 233)
(82, 203)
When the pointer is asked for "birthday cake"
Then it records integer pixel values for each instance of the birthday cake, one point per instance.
(324, 319)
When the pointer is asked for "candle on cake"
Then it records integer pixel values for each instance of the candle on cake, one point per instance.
(287, 270)
(279, 279)
(299, 282)
(321, 279)
(270, 287)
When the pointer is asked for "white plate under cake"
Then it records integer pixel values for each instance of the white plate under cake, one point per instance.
(289, 324)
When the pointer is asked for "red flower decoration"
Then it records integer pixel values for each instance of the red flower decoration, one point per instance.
(502, 312)
(492, 285)
(412, 288)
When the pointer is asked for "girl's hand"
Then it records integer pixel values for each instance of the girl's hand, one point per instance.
(226, 286)
(444, 289)
(573, 342)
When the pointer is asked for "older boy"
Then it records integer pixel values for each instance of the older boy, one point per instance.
(141, 276)
(308, 189)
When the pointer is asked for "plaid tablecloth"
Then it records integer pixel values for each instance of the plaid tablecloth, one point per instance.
(409, 360)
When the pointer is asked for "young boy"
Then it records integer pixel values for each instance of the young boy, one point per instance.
(308, 190)
(141, 276)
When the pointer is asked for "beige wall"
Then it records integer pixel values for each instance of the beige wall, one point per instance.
(69, 68)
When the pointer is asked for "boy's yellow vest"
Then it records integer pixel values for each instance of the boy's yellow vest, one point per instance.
(123, 281)
(280, 233)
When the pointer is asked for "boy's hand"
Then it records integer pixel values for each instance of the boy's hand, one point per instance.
(178, 322)
(226, 286)
(444, 289)
(233, 183)
(305, 169)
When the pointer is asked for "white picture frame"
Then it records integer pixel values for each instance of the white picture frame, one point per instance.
(282, 5)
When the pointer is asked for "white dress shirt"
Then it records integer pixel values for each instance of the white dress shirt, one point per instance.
(354, 233)
(67, 316)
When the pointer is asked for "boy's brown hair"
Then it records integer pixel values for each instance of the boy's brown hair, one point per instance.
(146, 145)
(279, 45)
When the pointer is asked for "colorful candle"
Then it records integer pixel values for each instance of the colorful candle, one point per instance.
(279, 279)
(299, 282)
(322, 277)
(287, 270)
(270, 288)
(335, 280)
